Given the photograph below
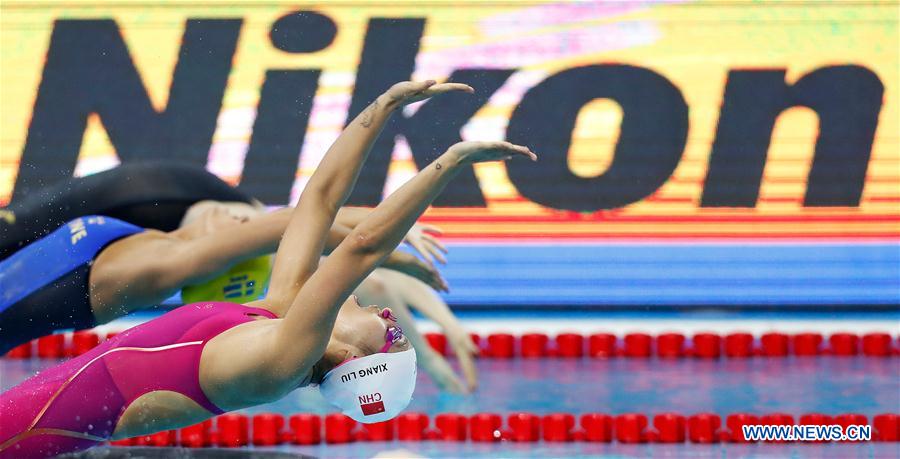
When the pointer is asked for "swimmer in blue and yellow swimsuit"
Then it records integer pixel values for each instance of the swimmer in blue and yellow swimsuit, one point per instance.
(45, 286)
(97, 268)
(165, 196)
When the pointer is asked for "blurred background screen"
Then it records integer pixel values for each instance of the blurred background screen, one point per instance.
(735, 154)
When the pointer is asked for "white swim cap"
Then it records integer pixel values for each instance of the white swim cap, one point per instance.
(373, 388)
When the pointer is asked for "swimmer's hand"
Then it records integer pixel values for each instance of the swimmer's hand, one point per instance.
(420, 237)
(479, 152)
(466, 351)
(411, 265)
(408, 92)
(442, 373)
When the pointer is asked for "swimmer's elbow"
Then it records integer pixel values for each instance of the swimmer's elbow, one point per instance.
(362, 242)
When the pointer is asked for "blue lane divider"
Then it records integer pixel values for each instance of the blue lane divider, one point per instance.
(674, 274)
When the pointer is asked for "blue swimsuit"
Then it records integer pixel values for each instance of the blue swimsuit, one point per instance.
(44, 286)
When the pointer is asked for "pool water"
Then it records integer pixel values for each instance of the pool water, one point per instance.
(793, 385)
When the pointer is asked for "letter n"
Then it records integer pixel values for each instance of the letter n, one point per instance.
(89, 70)
(847, 100)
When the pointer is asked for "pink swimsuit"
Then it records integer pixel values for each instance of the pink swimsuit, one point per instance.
(78, 403)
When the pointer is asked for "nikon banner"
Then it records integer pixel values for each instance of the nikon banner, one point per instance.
(692, 153)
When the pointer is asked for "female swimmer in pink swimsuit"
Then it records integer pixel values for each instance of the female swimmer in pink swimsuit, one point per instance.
(207, 358)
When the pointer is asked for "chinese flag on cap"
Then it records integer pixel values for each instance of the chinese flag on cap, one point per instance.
(369, 409)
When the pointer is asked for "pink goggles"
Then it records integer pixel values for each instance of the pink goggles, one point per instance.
(393, 334)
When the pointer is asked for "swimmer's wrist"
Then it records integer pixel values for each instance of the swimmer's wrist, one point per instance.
(449, 160)
(386, 103)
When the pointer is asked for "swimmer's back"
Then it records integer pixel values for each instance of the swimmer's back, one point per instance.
(45, 285)
(152, 195)
(162, 355)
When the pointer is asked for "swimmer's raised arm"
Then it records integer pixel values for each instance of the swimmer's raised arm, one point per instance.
(328, 189)
(197, 259)
(420, 237)
(315, 308)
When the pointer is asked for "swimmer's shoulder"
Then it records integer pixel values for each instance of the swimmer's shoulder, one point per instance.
(129, 252)
(134, 272)
(238, 367)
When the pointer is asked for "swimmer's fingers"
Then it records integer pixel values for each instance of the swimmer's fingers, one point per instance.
(442, 374)
(432, 250)
(458, 336)
(411, 265)
(431, 229)
(429, 275)
(435, 242)
(465, 351)
(419, 245)
(425, 244)
(478, 152)
(408, 92)
(470, 371)
(442, 88)
(443, 285)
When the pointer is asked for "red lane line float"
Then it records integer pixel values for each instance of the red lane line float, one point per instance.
(774, 344)
(196, 436)
(339, 428)
(631, 428)
(807, 344)
(51, 346)
(451, 427)
(557, 427)
(485, 427)
(597, 427)
(670, 427)
(637, 345)
(22, 351)
(82, 341)
(877, 344)
(267, 429)
(411, 426)
(739, 345)
(379, 431)
(886, 427)
(232, 430)
(438, 342)
(160, 439)
(670, 345)
(501, 346)
(844, 344)
(534, 345)
(704, 428)
(523, 427)
(707, 345)
(572, 345)
(602, 345)
(306, 429)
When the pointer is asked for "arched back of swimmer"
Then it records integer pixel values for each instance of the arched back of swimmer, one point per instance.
(206, 358)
